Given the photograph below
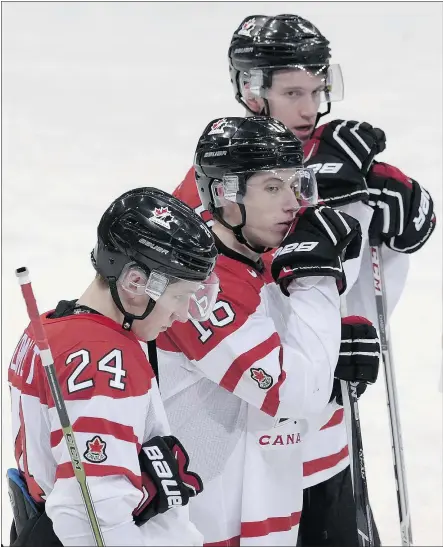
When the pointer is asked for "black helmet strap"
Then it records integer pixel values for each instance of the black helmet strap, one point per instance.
(237, 230)
(128, 318)
(321, 114)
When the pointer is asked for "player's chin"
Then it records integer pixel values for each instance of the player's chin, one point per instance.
(303, 136)
(272, 239)
(145, 331)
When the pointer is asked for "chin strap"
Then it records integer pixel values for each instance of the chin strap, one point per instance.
(321, 114)
(153, 359)
(237, 230)
(128, 318)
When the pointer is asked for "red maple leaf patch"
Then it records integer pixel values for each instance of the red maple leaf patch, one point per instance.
(258, 375)
(263, 379)
(95, 452)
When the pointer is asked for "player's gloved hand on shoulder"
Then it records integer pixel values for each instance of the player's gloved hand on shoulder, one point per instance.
(319, 240)
(404, 215)
(165, 476)
(342, 154)
(359, 356)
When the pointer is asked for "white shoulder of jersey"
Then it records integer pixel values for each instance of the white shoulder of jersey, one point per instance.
(284, 368)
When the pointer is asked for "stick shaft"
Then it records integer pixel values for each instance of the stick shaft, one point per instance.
(355, 444)
(392, 399)
(48, 364)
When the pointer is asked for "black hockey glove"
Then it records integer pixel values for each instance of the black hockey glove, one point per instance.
(166, 480)
(404, 215)
(319, 240)
(359, 356)
(342, 152)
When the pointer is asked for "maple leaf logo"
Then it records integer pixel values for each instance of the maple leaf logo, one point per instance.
(247, 26)
(162, 216)
(96, 446)
(258, 375)
(218, 127)
(159, 212)
(218, 123)
(263, 379)
(95, 452)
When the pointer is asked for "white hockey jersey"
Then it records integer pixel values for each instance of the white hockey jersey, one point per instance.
(326, 453)
(238, 390)
(114, 405)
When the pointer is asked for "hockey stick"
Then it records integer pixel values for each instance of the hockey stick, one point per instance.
(391, 392)
(48, 364)
(355, 444)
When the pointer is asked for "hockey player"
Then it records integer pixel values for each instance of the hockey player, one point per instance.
(280, 66)
(240, 386)
(153, 259)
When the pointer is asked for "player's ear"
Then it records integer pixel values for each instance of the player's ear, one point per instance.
(126, 297)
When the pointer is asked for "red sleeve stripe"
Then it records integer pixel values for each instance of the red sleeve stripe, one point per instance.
(259, 529)
(321, 464)
(65, 471)
(336, 419)
(232, 542)
(238, 367)
(99, 426)
(272, 400)
(270, 525)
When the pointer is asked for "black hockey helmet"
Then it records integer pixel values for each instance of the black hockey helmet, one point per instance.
(232, 149)
(263, 44)
(157, 232)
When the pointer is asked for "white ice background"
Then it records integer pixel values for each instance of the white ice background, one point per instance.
(99, 98)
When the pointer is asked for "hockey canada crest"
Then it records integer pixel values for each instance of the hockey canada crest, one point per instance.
(247, 26)
(95, 452)
(162, 216)
(218, 127)
(263, 379)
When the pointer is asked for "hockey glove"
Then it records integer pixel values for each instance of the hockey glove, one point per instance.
(166, 480)
(404, 215)
(341, 154)
(319, 239)
(359, 356)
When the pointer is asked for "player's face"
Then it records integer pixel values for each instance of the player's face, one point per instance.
(175, 299)
(173, 305)
(271, 207)
(294, 100)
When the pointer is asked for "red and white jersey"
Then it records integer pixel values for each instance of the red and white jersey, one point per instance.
(114, 406)
(326, 452)
(238, 391)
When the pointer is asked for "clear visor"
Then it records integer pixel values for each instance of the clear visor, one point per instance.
(181, 297)
(326, 81)
(272, 185)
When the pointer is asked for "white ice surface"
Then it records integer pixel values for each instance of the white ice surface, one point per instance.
(99, 98)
